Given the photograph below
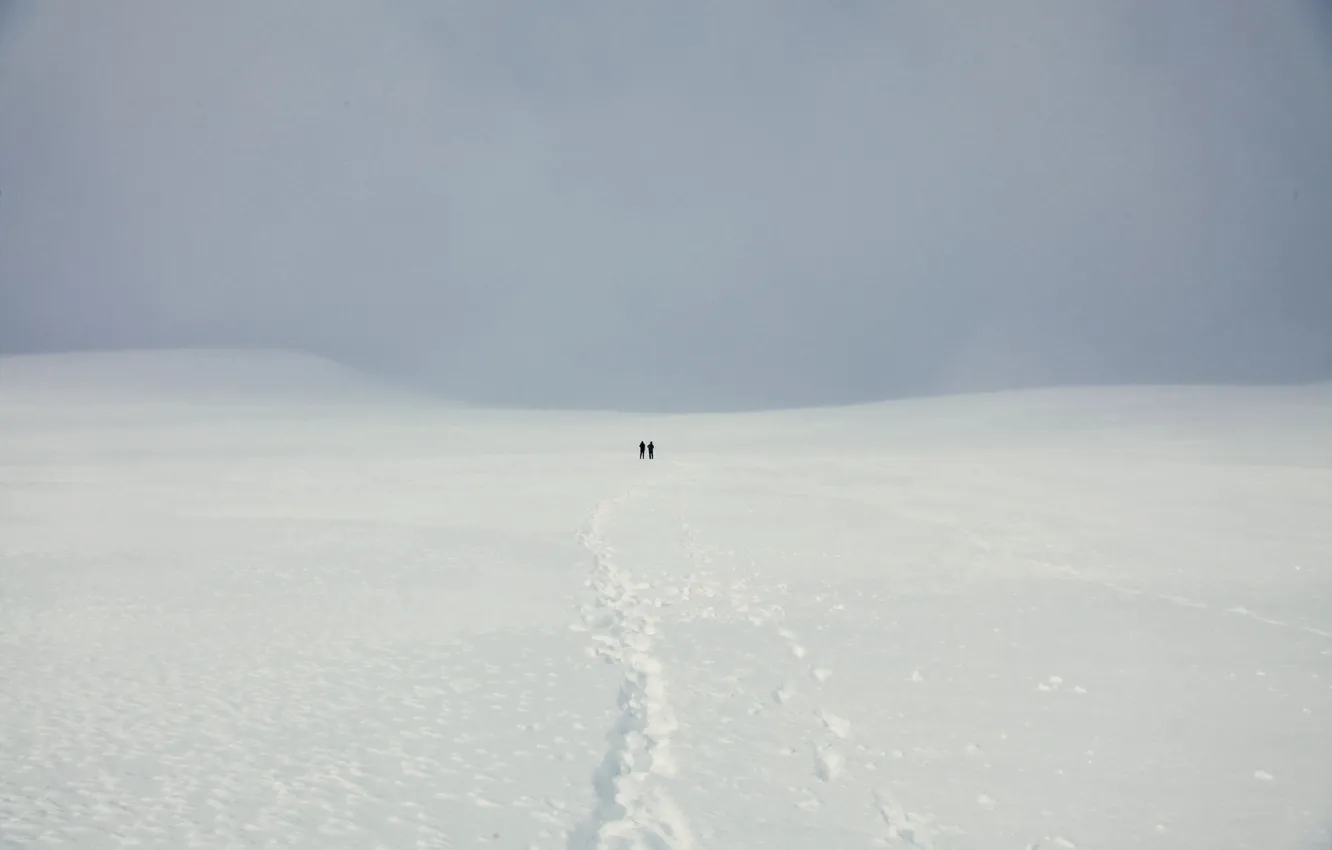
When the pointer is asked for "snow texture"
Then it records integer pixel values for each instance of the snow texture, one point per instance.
(240, 606)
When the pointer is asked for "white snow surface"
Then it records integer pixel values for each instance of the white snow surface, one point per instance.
(1091, 618)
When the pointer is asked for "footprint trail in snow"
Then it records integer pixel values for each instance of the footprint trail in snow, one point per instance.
(633, 808)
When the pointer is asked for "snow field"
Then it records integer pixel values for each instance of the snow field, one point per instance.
(1092, 619)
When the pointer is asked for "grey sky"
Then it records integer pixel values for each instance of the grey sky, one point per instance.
(678, 204)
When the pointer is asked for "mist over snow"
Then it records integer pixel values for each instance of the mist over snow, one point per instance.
(189, 378)
(678, 205)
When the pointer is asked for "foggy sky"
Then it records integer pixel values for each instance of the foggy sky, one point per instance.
(687, 204)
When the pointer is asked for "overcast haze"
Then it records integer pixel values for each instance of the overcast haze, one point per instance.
(678, 205)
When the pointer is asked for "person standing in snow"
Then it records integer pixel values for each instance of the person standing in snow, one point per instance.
(650, 450)
(642, 447)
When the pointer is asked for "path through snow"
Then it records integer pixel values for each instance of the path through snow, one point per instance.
(634, 809)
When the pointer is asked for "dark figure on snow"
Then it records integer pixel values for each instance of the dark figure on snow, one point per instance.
(642, 447)
(651, 449)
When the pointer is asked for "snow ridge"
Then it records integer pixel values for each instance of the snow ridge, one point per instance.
(633, 811)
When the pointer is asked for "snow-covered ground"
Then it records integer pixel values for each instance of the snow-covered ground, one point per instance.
(307, 616)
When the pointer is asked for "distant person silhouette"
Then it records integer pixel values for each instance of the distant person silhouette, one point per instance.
(650, 451)
(642, 447)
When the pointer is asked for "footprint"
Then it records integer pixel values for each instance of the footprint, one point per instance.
(839, 726)
(828, 764)
(809, 804)
(790, 637)
(904, 827)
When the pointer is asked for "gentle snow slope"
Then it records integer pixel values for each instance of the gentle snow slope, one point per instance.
(200, 376)
(1073, 618)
